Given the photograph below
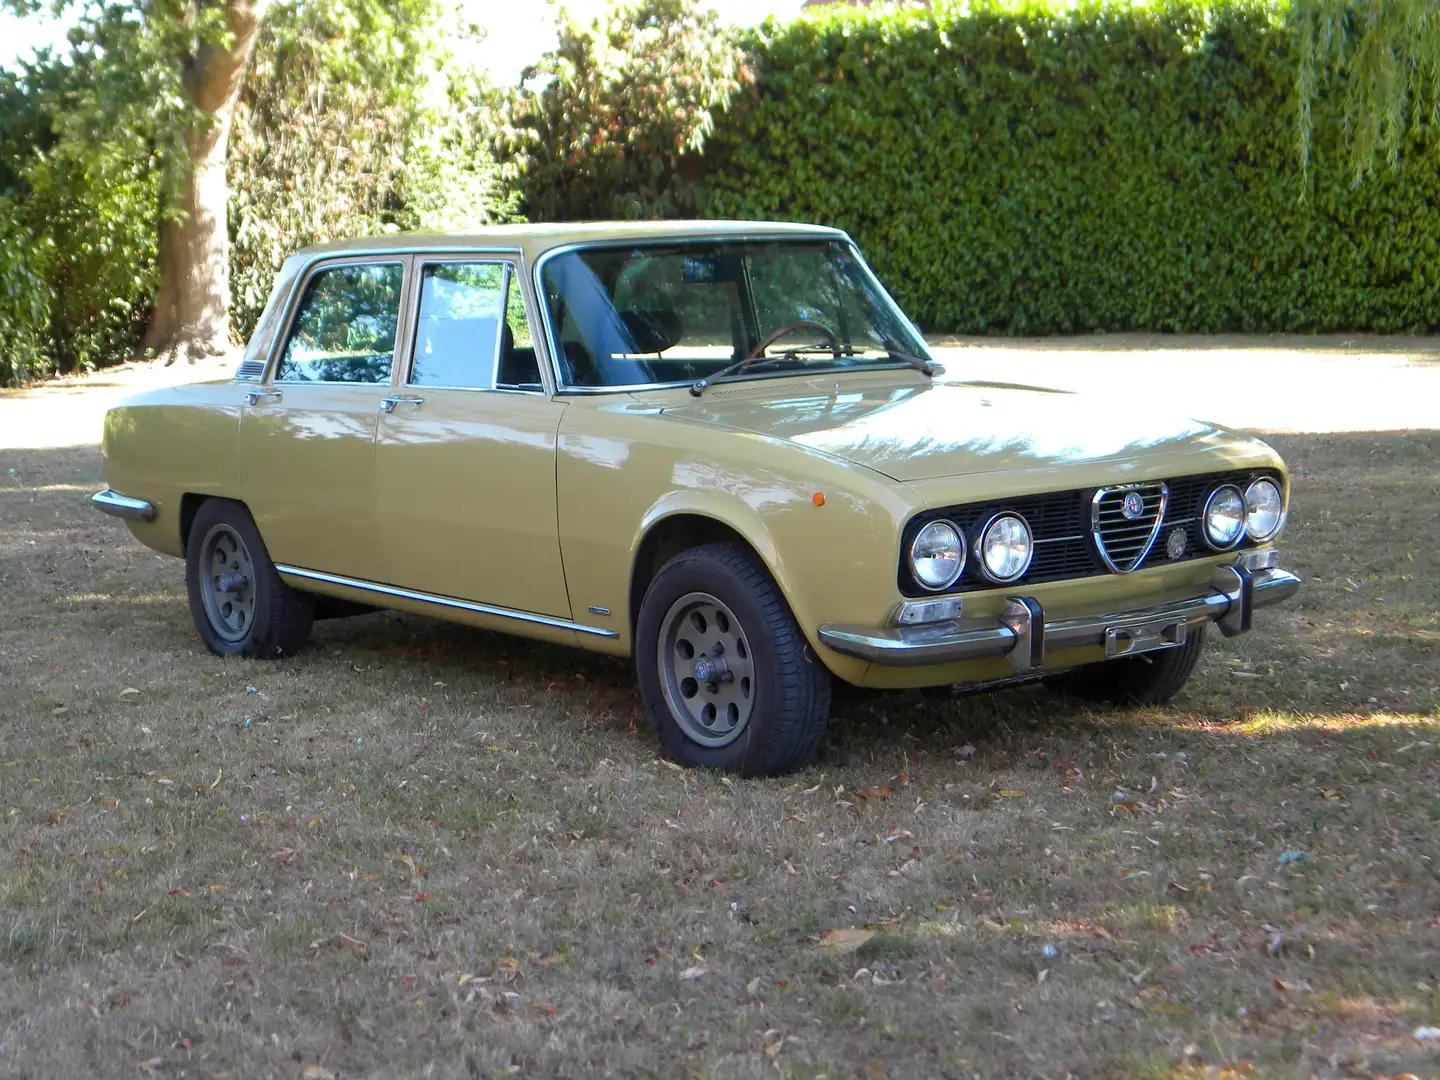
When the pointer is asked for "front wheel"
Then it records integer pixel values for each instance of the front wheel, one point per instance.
(1152, 678)
(727, 678)
(238, 602)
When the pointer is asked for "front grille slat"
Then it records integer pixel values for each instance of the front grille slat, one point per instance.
(1062, 523)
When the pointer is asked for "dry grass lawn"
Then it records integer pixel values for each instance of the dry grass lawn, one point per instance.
(418, 850)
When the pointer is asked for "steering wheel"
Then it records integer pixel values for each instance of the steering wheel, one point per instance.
(803, 324)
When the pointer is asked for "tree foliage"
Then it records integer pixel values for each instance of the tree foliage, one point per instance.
(355, 120)
(82, 142)
(1383, 58)
(603, 125)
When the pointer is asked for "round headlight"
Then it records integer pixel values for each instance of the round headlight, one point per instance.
(1264, 509)
(937, 555)
(1224, 517)
(1004, 547)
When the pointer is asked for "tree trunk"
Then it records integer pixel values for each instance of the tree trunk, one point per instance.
(192, 305)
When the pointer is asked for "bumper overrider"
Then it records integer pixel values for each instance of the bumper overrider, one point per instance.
(1023, 634)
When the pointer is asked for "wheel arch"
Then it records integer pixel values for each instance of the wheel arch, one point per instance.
(667, 534)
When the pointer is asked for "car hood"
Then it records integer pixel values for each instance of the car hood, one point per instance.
(917, 432)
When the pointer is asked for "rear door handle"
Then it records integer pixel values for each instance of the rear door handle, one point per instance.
(387, 405)
(254, 397)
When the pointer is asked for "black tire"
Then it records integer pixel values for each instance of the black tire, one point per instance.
(278, 618)
(791, 687)
(1149, 679)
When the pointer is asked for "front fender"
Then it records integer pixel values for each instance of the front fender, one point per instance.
(623, 471)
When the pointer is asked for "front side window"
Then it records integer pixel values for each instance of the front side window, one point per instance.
(471, 332)
(344, 331)
(679, 311)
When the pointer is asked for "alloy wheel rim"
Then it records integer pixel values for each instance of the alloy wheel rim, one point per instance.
(707, 671)
(227, 583)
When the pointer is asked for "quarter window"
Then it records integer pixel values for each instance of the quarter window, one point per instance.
(344, 331)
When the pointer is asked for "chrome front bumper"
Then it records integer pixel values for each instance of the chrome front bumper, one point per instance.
(1024, 635)
(122, 506)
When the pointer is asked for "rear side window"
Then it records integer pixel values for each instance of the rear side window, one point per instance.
(471, 332)
(344, 330)
(457, 334)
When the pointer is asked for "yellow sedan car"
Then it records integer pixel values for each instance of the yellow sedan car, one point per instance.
(719, 448)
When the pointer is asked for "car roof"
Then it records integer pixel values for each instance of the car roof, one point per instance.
(534, 240)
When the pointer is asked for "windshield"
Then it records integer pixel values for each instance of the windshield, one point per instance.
(679, 311)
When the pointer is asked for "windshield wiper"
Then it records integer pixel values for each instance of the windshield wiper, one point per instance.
(750, 363)
(919, 363)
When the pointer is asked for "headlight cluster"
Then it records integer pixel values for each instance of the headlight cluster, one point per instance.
(1230, 515)
(1003, 547)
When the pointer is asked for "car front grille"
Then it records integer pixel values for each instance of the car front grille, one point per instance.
(1068, 539)
(1124, 522)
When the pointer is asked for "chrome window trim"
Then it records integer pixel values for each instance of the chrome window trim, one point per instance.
(980, 551)
(445, 601)
(820, 233)
(1155, 531)
(512, 272)
(317, 258)
(320, 265)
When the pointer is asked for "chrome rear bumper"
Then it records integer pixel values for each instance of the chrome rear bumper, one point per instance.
(1024, 635)
(122, 506)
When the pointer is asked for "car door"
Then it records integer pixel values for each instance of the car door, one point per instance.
(465, 459)
(307, 433)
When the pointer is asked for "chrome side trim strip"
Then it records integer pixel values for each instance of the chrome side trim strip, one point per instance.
(122, 506)
(446, 601)
(1228, 601)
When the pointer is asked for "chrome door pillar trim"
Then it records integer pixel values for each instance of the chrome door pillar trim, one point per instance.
(446, 601)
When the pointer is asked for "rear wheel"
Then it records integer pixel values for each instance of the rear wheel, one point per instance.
(727, 678)
(1149, 679)
(238, 602)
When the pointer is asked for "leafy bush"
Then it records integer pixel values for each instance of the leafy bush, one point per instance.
(606, 124)
(77, 237)
(1101, 168)
(24, 300)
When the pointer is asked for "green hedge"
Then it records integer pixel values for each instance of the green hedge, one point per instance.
(1025, 171)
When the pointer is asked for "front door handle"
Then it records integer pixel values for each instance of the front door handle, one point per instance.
(387, 405)
(254, 397)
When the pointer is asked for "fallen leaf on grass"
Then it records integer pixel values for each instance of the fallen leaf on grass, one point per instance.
(410, 862)
(1008, 793)
(178, 892)
(874, 793)
(1292, 987)
(844, 940)
(1175, 886)
(129, 691)
(690, 974)
(545, 1007)
(318, 1072)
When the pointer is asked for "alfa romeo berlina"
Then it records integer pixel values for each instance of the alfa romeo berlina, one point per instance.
(718, 448)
